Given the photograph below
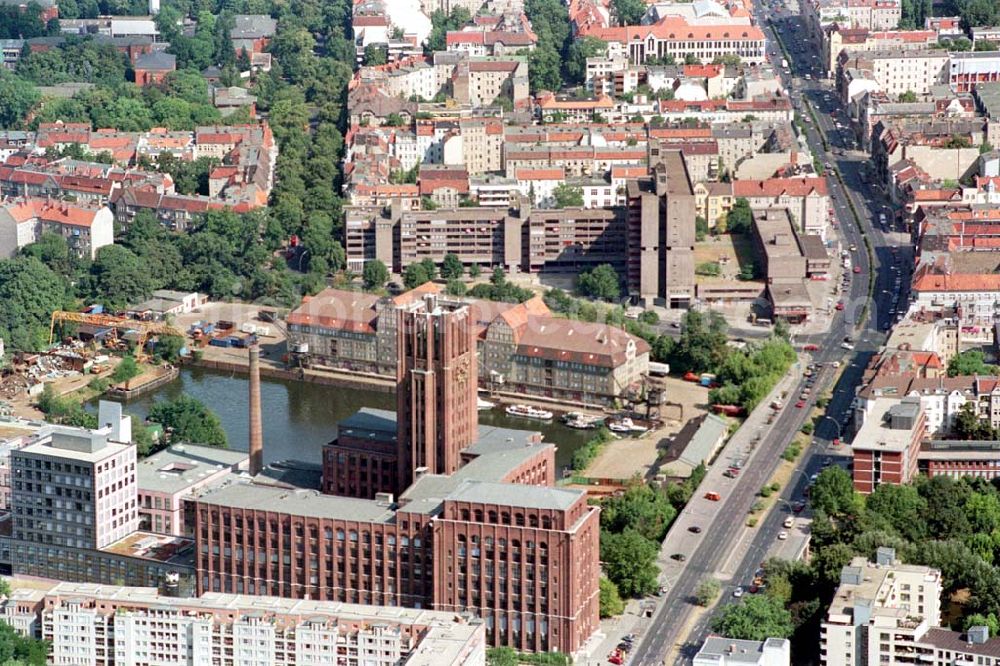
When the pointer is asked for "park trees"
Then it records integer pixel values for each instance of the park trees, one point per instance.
(188, 420)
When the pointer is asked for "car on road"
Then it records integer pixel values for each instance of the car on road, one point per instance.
(738, 592)
(694, 529)
(857, 269)
(798, 507)
(847, 345)
(782, 535)
(680, 557)
(839, 306)
(810, 347)
(789, 522)
(713, 496)
(800, 404)
(616, 659)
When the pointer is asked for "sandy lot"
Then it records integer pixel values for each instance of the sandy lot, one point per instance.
(272, 346)
(726, 249)
(623, 458)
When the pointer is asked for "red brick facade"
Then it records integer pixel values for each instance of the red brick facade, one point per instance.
(436, 388)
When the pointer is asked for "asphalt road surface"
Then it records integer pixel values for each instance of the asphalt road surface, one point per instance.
(863, 320)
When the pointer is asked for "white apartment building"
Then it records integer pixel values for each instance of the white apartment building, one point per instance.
(903, 71)
(880, 608)
(100, 625)
(722, 651)
(888, 613)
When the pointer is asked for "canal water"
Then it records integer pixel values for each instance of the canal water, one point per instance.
(300, 417)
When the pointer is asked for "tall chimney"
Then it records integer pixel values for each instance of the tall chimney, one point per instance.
(256, 431)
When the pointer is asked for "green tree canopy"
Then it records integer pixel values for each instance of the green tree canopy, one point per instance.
(17, 98)
(611, 603)
(833, 492)
(971, 362)
(451, 267)
(754, 618)
(630, 562)
(188, 420)
(740, 217)
(629, 12)
(641, 508)
(601, 282)
(30, 292)
(127, 369)
(567, 196)
(374, 274)
(120, 278)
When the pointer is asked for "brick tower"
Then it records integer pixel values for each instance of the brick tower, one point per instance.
(435, 387)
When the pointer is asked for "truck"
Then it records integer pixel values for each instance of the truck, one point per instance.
(659, 369)
(784, 63)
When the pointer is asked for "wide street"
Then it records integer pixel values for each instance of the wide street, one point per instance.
(863, 321)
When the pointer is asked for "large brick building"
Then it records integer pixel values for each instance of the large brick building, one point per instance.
(480, 529)
(521, 346)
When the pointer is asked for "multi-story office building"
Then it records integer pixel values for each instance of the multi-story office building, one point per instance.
(102, 625)
(886, 447)
(968, 70)
(74, 488)
(480, 529)
(75, 514)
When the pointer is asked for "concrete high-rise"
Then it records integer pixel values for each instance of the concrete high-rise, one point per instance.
(661, 231)
(436, 388)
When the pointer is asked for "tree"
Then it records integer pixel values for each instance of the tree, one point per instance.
(374, 274)
(126, 370)
(908, 97)
(946, 497)
(700, 228)
(543, 69)
(782, 329)
(969, 426)
(475, 271)
(971, 362)
(456, 288)
(640, 508)
(575, 66)
(754, 618)
(188, 420)
(567, 196)
(702, 345)
(629, 12)
(415, 275)
(17, 98)
(29, 291)
(601, 282)
(168, 348)
(16, 649)
(630, 562)
(120, 278)
(649, 317)
(611, 603)
(376, 54)
(980, 620)
(451, 267)
(985, 45)
(740, 217)
(833, 492)
(707, 591)
(901, 507)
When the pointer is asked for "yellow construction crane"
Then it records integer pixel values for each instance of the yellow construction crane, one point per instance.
(145, 328)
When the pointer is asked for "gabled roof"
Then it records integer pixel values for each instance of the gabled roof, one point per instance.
(337, 309)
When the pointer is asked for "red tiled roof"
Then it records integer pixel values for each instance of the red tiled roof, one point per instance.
(774, 187)
(337, 309)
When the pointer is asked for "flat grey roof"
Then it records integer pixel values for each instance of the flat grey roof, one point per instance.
(311, 503)
(735, 650)
(528, 497)
(179, 467)
(367, 419)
